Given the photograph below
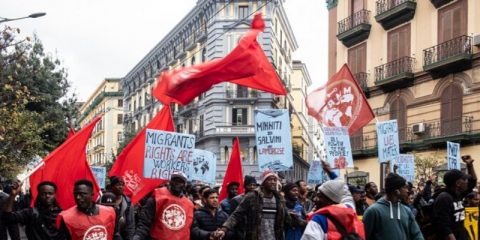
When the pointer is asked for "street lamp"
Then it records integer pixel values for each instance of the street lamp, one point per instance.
(33, 15)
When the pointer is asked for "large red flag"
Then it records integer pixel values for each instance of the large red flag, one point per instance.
(234, 172)
(246, 65)
(65, 165)
(129, 163)
(71, 132)
(340, 103)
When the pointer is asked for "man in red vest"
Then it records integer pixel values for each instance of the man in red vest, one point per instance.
(86, 220)
(168, 214)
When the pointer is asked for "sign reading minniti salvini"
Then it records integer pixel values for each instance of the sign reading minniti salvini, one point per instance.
(274, 140)
(388, 144)
(166, 152)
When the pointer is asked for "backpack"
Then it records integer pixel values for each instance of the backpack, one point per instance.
(345, 235)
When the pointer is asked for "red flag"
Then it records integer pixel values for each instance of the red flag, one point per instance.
(246, 65)
(71, 133)
(234, 171)
(340, 103)
(65, 165)
(129, 163)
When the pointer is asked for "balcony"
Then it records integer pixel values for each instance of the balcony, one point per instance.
(190, 42)
(355, 28)
(231, 130)
(450, 56)
(395, 74)
(241, 96)
(201, 34)
(188, 110)
(391, 13)
(362, 79)
(439, 3)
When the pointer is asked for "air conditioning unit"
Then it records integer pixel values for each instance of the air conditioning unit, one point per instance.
(476, 40)
(418, 128)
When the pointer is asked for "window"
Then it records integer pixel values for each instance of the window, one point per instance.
(239, 116)
(242, 92)
(119, 118)
(120, 103)
(180, 128)
(243, 11)
(192, 62)
(119, 136)
(452, 21)
(201, 125)
(190, 126)
(398, 43)
(398, 111)
(356, 140)
(204, 55)
(451, 110)
(355, 6)
(357, 58)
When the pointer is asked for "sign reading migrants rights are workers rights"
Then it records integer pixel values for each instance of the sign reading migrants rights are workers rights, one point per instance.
(167, 152)
(387, 138)
(274, 140)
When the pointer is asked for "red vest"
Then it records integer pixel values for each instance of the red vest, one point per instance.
(346, 216)
(84, 227)
(173, 216)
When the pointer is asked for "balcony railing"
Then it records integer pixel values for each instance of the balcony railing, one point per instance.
(362, 79)
(391, 13)
(447, 52)
(443, 128)
(356, 19)
(241, 94)
(235, 129)
(387, 5)
(392, 69)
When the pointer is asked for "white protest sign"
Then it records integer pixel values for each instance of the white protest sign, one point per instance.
(166, 152)
(388, 144)
(453, 155)
(204, 166)
(100, 174)
(315, 173)
(406, 166)
(337, 147)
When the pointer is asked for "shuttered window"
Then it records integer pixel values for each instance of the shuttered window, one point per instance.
(398, 111)
(357, 58)
(451, 110)
(452, 21)
(356, 5)
(356, 140)
(398, 43)
(239, 116)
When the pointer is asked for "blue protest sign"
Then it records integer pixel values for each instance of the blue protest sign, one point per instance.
(204, 166)
(166, 152)
(387, 139)
(100, 173)
(274, 140)
(453, 155)
(337, 147)
(406, 166)
(315, 173)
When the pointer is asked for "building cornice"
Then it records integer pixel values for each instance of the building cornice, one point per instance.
(331, 4)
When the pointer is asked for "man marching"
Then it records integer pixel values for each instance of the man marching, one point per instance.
(86, 220)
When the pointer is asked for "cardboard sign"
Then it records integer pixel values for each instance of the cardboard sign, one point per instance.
(406, 166)
(337, 147)
(274, 140)
(388, 144)
(453, 155)
(100, 174)
(166, 152)
(204, 166)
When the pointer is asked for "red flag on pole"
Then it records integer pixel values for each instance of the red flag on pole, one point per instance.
(129, 164)
(246, 65)
(234, 171)
(65, 165)
(340, 103)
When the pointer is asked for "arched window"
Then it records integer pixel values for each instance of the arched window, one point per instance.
(451, 110)
(204, 55)
(398, 111)
(192, 62)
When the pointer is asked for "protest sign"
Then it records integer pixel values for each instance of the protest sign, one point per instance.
(471, 222)
(204, 166)
(453, 155)
(100, 174)
(388, 144)
(406, 166)
(274, 141)
(166, 152)
(337, 147)
(315, 173)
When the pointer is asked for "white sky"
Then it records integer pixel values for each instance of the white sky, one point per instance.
(97, 39)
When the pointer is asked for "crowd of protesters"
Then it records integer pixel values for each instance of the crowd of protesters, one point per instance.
(266, 210)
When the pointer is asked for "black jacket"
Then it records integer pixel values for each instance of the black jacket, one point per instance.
(40, 223)
(204, 223)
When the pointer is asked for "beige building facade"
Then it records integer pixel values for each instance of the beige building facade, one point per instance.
(418, 62)
(107, 99)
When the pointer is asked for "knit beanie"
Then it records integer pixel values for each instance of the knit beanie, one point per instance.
(249, 180)
(267, 174)
(333, 189)
(393, 182)
(289, 186)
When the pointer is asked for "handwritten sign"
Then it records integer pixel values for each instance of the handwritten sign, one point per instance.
(100, 174)
(166, 152)
(315, 173)
(388, 144)
(406, 166)
(204, 166)
(274, 140)
(337, 146)
(453, 155)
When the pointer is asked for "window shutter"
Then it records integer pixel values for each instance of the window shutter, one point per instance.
(457, 22)
(234, 116)
(244, 116)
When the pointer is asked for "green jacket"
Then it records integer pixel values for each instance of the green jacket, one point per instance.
(386, 220)
(251, 209)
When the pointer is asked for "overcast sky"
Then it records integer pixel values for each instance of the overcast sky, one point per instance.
(97, 39)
